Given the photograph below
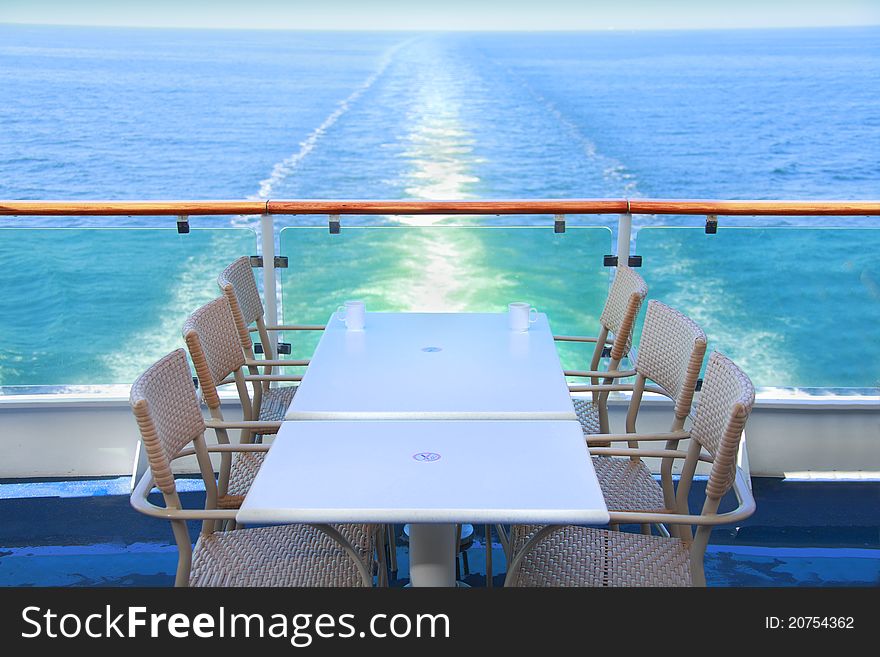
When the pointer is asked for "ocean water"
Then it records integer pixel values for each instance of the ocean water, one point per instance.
(92, 113)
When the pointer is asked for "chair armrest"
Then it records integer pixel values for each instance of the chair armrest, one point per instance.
(637, 451)
(272, 377)
(579, 338)
(602, 387)
(643, 452)
(226, 448)
(618, 387)
(263, 377)
(211, 423)
(140, 503)
(276, 363)
(745, 508)
(620, 437)
(292, 327)
(598, 374)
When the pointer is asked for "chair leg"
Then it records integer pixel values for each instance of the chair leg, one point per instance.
(488, 529)
(381, 561)
(505, 540)
(392, 548)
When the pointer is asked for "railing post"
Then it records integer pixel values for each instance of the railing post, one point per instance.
(624, 235)
(267, 243)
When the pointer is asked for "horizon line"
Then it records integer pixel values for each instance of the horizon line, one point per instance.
(428, 30)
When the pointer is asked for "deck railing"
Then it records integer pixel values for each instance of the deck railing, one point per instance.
(408, 207)
(759, 269)
(268, 210)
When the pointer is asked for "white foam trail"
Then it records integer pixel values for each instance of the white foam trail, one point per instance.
(440, 271)
(439, 147)
(713, 311)
(284, 168)
(192, 288)
(613, 171)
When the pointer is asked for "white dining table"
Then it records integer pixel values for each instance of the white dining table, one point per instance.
(434, 366)
(429, 473)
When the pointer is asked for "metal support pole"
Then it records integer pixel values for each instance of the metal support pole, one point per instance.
(432, 550)
(624, 235)
(267, 242)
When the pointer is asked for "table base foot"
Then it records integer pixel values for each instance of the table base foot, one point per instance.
(432, 550)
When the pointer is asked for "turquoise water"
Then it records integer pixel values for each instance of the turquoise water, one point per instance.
(162, 114)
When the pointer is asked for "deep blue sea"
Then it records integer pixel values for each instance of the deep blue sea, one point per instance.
(88, 113)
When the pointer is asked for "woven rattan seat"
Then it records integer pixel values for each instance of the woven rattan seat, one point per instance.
(585, 556)
(275, 403)
(627, 485)
(587, 414)
(519, 534)
(292, 555)
(245, 466)
(244, 470)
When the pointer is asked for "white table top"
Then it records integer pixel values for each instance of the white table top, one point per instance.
(367, 471)
(461, 366)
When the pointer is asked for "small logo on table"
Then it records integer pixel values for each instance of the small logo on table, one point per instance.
(426, 457)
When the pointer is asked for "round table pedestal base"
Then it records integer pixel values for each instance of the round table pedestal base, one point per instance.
(432, 551)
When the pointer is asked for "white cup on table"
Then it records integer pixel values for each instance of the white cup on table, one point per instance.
(353, 314)
(520, 315)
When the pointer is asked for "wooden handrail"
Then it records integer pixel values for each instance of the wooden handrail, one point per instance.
(572, 206)
(130, 208)
(756, 208)
(408, 207)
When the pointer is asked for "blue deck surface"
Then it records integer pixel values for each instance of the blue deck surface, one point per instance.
(84, 533)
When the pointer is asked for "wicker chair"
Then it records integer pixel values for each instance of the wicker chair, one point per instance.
(171, 425)
(213, 344)
(240, 288)
(584, 556)
(670, 354)
(625, 298)
(618, 318)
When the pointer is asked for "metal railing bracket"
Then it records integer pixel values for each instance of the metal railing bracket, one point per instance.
(711, 224)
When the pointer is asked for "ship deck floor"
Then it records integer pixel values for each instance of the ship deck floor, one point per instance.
(84, 533)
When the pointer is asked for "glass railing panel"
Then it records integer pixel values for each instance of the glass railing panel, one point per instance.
(790, 305)
(94, 306)
(447, 269)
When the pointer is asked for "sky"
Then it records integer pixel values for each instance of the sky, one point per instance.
(445, 14)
